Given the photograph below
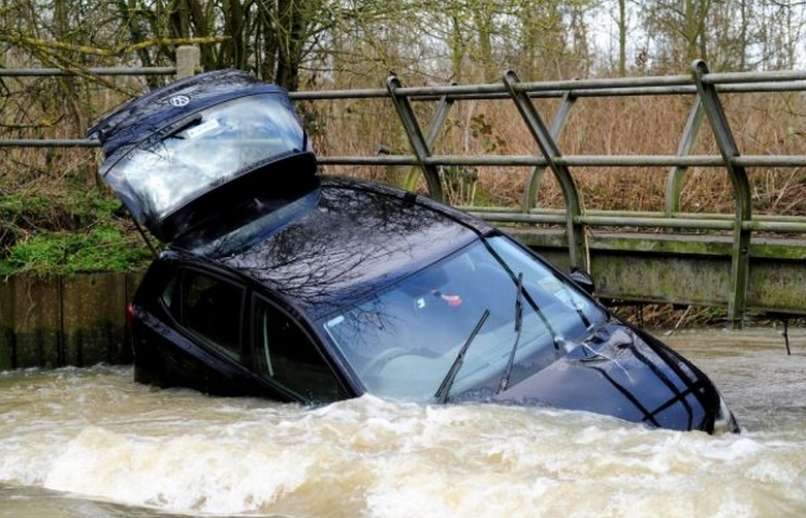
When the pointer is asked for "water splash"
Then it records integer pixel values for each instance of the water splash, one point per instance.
(92, 435)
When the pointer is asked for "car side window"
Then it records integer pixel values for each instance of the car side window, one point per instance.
(170, 296)
(212, 308)
(284, 354)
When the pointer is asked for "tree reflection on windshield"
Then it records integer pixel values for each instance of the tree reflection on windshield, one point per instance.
(402, 341)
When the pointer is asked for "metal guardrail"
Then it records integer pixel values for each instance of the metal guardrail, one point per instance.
(59, 72)
(703, 85)
(96, 71)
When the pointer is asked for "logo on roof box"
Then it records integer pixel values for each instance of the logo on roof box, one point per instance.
(179, 100)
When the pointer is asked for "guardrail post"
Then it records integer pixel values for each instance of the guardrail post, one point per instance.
(674, 181)
(432, 134)
(557, 125)
(188, 60)
(740, 257)
(440, 116)
(577, 242)
(415, 136)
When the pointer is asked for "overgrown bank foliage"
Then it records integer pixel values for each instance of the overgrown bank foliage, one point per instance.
(55, 216)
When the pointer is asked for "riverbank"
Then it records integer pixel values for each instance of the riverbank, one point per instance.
(58, 320)
(75, 229)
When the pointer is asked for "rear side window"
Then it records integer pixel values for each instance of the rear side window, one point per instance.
(285, 355)
(170, 297)
(211, 308)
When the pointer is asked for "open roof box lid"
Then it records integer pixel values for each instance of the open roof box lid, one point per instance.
(181, 153)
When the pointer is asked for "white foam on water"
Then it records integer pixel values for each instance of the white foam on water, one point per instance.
(185, 473)
(96, 434)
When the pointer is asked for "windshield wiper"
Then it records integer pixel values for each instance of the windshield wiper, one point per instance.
(445, 387)
(572, 299)
(555, 338)
(518, 326)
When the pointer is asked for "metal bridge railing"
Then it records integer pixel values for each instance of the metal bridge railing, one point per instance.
(187, 64)
(702, 84)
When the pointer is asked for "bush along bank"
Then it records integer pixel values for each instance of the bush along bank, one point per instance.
(67, 233)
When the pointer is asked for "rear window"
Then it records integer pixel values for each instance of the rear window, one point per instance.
(204, 151)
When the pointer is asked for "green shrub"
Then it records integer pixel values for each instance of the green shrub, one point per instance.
(103, 248)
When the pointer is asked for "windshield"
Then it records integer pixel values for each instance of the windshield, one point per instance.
(205, 150)
(402, 341)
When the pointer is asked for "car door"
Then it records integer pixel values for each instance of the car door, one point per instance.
(193, 334)
(286, 356)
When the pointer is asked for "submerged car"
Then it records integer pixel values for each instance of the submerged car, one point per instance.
(280, 282)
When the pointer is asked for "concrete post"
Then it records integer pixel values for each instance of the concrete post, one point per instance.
(188, 60)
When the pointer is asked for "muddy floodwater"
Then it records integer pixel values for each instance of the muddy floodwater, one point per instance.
(90, 442)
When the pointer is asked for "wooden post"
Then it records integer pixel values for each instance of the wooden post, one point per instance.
(7, 323)
(37, 322)
(93, 318)
(188, 61)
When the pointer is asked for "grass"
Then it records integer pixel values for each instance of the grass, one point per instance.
(102, 249)
(71, 231)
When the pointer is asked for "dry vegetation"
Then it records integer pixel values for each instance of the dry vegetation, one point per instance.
(763, 124)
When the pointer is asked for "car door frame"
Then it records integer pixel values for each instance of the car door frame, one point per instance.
(297, 318)
(178, 269)
(209, 344)
(172, 261)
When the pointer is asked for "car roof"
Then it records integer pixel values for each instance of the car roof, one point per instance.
(342, 240)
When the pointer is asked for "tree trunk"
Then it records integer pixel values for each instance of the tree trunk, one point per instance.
(201, 28)
(484, 26)
(457, 48)
(234, 51)
(292, 26)
(622, 37)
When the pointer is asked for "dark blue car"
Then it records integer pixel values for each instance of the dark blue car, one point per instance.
(283, 283)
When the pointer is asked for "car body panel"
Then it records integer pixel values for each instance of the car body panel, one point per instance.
(167, 354)
(354, 242)
(617, 373)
